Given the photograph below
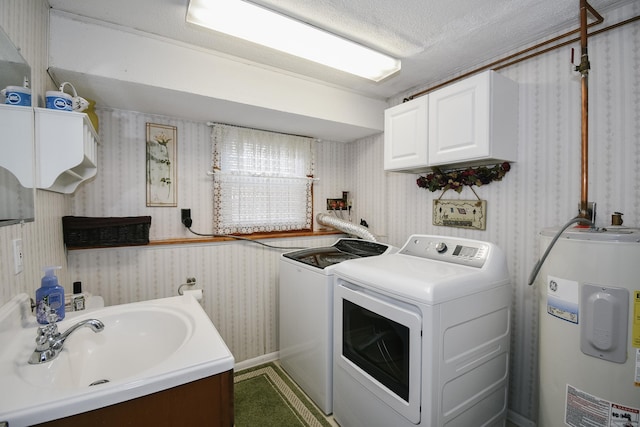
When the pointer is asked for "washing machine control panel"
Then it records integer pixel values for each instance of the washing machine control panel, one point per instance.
(456, 250)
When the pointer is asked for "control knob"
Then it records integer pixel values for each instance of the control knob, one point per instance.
(441, 247)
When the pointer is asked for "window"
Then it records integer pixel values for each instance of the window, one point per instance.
(262, 181)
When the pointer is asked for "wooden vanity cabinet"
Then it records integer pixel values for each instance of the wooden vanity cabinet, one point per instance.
(204, 402)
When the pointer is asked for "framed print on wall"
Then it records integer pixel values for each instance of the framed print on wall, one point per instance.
(161, 165)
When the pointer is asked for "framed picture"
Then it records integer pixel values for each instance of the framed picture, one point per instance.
(162, 143)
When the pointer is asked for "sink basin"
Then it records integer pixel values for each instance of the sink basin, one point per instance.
(118, 352)
(144, 348)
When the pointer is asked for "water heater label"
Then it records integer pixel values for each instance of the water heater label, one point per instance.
(562, 298)
(583, 409)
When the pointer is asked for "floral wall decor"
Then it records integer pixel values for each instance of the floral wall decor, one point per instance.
(161, 165)
(458, 178)
(461, 213)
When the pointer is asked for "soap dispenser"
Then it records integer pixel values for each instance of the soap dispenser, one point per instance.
(50, 293)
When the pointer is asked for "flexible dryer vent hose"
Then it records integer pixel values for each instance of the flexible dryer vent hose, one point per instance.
(345, 226)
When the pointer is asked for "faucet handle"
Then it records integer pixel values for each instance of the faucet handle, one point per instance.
(45, 333)
(52, 317)
(48, 313)
(42, 339)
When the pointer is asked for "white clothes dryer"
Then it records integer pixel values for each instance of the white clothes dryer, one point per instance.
(306, 313)
(421, 337)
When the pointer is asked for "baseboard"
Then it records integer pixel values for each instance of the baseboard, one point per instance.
(250, 363)
(519, 420)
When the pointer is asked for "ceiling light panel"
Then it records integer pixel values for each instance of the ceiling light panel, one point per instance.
(265, 27)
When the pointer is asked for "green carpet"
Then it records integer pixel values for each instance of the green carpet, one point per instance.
(266, 397)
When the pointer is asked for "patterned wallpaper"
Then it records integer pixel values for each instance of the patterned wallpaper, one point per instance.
(240, 279)
(119, 187)
(27, 24)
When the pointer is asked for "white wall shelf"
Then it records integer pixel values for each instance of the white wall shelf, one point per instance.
(66, 149)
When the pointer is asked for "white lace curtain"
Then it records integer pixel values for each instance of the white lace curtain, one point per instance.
(262, 180)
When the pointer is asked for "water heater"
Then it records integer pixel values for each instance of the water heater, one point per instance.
(589, 349)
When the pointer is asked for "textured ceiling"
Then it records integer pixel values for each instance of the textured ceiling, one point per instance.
(433, 38)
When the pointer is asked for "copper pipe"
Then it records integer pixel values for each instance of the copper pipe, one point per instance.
(598, 20)
(583, 68)
(584, 189)
(568, 42)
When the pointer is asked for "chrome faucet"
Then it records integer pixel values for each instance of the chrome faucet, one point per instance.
(49, 341)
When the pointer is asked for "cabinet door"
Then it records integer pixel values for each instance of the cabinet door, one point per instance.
(405, 136)
(459, 117)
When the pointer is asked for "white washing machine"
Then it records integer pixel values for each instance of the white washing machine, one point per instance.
(306, 313)
(421, 337)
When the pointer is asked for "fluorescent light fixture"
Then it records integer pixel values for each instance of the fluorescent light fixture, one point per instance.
(265, 27)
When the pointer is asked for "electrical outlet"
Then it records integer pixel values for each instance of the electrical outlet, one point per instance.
(336, 204)
(185, 217)
(18, 261)
(339, 204)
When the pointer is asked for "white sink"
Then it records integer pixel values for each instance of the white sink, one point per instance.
(145, 347)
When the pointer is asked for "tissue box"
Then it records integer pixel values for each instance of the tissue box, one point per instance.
(80, 231)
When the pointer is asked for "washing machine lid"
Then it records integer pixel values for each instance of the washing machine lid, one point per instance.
(341, 250)
(428, 272)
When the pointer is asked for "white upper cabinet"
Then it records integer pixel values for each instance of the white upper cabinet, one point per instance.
(405, 136)
(66, 149)
(474, 121)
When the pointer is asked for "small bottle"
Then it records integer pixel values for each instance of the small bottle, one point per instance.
(75, 301)
(78, 298)
(51, 294)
